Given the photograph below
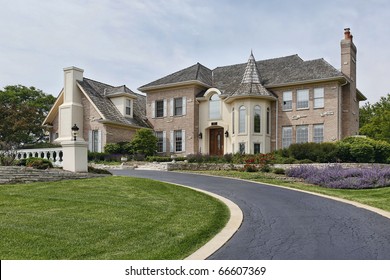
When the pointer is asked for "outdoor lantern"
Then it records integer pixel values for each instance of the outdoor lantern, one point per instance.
(226, 134)
(75, 132)
(200, 135)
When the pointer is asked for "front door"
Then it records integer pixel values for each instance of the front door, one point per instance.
(216, 141)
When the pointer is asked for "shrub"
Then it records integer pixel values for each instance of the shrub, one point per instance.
(96, 157)
(279, 171)
(98, 171)
(144, 142)
(362, 152)
(39, 163)
(112, 148)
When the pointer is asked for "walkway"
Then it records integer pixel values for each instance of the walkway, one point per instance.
(285, 224)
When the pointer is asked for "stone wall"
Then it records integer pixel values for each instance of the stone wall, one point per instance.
(16, 174)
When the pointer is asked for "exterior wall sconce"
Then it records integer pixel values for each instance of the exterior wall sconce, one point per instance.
(226, 134)
(200, 135)
(75, 132)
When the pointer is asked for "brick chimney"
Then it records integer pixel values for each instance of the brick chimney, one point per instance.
(348, 55)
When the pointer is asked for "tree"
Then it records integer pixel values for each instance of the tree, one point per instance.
(22, 111)
(144, 142)
(375, 119)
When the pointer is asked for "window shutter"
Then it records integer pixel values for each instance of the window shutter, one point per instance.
(184, 110)
(153, 109)
(165, 107)
(90, 140)
(164, 141)
(171, 107)
(183, 140)
(171, 142)
(99, 141)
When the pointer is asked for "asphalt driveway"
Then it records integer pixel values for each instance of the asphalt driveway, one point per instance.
(285, 224)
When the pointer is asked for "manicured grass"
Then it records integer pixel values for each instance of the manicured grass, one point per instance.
(106, 218)
(379, 197)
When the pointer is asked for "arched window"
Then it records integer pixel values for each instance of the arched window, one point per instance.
(257, 119)
(214, 107)
(242, 120)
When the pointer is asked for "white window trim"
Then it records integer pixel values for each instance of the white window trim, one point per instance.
(284, 100)
(316, 90)
(306, 91)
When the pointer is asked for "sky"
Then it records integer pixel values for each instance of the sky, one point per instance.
(134, 42)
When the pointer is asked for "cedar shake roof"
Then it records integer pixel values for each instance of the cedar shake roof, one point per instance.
(271, 72)
(99, 94)
(250, 84)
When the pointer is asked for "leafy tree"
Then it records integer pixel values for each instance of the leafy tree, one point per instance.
(22, 111)
(144, 142)
(375, 119)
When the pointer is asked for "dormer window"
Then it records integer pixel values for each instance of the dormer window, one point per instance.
(128, 107)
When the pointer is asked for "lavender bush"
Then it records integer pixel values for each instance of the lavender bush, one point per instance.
(335, 176)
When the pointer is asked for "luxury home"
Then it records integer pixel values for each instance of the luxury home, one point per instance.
(253, 107)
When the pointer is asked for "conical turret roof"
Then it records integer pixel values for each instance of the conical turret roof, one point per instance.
(251, 82)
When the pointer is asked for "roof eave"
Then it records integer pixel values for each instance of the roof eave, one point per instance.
(360, 95)
(110, 122)
(338, 79)
(232, 98)
(171, 85)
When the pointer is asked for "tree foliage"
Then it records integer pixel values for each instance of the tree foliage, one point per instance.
(375, 119)
(144, 142)
(22, 111)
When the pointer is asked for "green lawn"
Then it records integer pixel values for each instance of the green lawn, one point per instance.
(106, 218)
(379, 197)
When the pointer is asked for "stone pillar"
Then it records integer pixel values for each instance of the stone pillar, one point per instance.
(75, 156)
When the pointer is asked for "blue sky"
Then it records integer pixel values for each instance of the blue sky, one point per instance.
(135, 42)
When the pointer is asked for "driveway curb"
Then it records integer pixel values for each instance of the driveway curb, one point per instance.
(234, 223)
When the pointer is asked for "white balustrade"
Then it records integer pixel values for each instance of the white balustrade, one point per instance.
(53, 154)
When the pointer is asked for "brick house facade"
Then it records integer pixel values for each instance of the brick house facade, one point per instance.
(104, 113)
(254, 107)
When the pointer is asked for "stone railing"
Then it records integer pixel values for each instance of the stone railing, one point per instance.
(53, 154)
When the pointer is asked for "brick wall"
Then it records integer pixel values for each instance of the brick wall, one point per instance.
(188, 122)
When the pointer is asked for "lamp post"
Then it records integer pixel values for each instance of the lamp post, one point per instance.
(75, 132)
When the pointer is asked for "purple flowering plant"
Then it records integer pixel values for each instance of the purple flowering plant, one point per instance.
(338, 177)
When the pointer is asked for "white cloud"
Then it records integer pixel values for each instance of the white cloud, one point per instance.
(135, 42)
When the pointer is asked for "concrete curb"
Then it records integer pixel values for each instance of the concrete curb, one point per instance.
(234, 223)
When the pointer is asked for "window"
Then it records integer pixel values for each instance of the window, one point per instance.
(286, 136)
(159, 109)
(318, 133)
(178, 106)
(303, 99)
(233, 120)
(242, 120)
(319, 98)
(256, 148)
(241, 147)
(214, 107)
(257, 119)
(128, 107)
(287, 101)
(94, 141)
(268, 120)
(302, 134)
(178, 141)
(160, 141)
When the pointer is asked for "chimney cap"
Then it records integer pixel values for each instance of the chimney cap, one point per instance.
(347, 34)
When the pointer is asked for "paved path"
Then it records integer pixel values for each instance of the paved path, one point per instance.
(285, 224)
